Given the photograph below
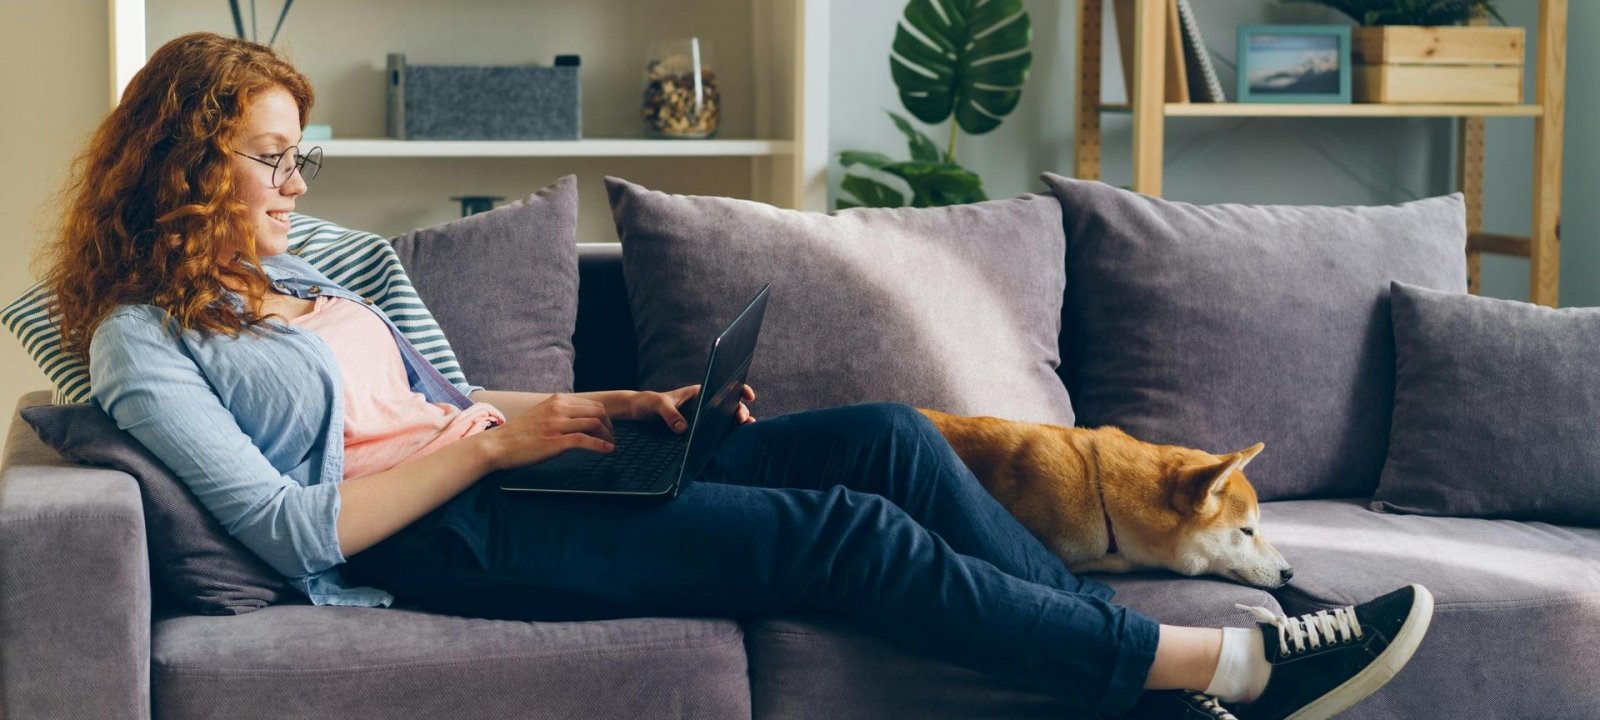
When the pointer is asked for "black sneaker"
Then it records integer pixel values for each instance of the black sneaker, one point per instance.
(1178, 705)
(1327, 661)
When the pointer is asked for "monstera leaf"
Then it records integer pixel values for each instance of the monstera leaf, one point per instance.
(932, 184)
(933, 179)
(969, 57)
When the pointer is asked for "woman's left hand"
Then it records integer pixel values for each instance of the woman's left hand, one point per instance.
(646, 404)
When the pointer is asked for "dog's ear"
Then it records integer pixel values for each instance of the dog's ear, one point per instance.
(1248, 454)
(1200, 485)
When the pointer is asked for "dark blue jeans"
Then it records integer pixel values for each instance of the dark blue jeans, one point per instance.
(862, 511)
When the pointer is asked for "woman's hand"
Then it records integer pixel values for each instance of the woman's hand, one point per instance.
(648, 404)
(562, 422)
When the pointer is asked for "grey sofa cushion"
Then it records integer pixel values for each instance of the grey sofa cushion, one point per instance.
(819, 667)
(952, 308)
(301, 661)
(1178, 600)
(1496, 409)
(503, 286)
(198, 563)
(1513, 632)
(1220, 326)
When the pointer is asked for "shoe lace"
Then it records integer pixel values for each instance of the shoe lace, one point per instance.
(1212, 705)
(1310, 631)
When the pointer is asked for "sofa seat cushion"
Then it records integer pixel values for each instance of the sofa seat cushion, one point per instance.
(303, 661)
(1516, 604)
(814, 666)
(1176, 600)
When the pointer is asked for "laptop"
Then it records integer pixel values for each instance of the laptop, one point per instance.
(650, 460)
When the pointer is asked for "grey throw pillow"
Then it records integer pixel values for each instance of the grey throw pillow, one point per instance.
(1496, 410)
(190, 554)
(1220, 326)
(953, 308)
(503, 286)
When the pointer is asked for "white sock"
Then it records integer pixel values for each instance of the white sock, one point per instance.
(1242, 670)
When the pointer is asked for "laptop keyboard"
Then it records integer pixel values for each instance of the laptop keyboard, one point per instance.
(644, 450)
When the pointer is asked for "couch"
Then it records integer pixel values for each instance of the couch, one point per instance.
(84, 633)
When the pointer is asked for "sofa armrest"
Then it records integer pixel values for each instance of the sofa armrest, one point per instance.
(74, 586)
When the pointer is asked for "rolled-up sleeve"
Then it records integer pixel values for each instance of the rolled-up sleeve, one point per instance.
(466, 388)
(144, 378)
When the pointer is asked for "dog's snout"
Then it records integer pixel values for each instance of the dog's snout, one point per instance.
(1285, 574)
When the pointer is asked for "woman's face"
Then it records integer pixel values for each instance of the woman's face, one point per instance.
(272, 126)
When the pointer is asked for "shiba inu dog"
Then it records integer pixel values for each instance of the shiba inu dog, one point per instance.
(1105, 502)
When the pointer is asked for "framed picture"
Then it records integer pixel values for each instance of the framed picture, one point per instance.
(1294, 63)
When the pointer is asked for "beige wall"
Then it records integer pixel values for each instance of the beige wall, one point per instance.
(54, 88)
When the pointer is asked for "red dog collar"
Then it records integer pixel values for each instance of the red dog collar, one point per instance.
(1111, 535)
(1105, 512)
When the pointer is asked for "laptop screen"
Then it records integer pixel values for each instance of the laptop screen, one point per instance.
(717, 409)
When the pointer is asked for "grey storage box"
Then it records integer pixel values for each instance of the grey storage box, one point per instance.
(473, 102)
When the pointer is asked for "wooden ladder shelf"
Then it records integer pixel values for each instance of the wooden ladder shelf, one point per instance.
(1150, 110)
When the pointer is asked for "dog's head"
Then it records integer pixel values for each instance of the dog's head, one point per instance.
(1218, 527)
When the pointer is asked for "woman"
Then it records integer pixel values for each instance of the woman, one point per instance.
(284, 403)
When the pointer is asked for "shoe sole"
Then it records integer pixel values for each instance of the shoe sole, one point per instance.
(1382, 669)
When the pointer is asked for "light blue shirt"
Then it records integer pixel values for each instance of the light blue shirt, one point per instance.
(253, 425)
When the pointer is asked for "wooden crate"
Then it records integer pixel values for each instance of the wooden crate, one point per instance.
(1418, 45)
(1488, 84)
(1414, 64)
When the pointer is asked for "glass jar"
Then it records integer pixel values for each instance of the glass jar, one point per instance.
(680, 90)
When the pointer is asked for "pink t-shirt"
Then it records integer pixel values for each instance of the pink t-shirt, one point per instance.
(385, 422)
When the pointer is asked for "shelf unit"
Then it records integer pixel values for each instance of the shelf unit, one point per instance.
(787, 78)
(1150, 110)
(619, 147)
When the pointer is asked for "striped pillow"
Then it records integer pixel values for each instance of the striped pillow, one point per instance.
(361, 262)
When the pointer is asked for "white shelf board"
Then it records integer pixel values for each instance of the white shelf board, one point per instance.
(384, 147)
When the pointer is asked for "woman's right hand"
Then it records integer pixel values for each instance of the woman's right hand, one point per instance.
(560, 423)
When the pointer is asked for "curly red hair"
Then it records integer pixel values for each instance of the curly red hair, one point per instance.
(151, 203)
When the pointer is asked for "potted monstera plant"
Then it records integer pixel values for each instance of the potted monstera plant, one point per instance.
(958, 60)
(1414, 51)
(1376, 13)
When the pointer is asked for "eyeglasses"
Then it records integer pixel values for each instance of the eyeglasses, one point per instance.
(307, 164)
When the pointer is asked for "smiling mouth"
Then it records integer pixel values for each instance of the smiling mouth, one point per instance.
(279, 215)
